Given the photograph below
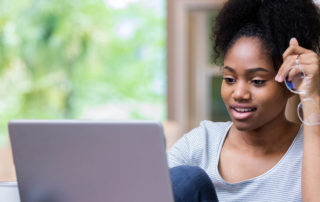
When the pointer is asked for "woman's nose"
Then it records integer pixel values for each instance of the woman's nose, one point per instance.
(241, 92)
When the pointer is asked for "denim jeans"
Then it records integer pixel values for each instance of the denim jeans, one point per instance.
(192, 184)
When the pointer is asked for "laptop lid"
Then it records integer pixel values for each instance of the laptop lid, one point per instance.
(81, 161)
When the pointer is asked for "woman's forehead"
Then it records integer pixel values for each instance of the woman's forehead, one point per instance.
(245, 45)
(247, 53)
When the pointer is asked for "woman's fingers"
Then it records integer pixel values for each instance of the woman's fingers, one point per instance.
(294, 49)
(295, 74)
(296, 55)
(300, 67)
(289, 63)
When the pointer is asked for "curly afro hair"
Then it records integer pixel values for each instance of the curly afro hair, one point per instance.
(275, 22)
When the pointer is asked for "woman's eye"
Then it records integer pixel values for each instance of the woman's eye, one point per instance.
(229, 80)
(258, 82)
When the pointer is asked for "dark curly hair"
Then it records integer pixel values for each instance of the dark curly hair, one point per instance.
(275, 22)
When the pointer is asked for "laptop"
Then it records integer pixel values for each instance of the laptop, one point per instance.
(81, 161)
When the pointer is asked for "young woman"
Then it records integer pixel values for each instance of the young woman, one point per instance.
(260, 155)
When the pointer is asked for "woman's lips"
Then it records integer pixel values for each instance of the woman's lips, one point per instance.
(241, 113)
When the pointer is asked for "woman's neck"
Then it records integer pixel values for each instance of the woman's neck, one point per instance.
(274, 137)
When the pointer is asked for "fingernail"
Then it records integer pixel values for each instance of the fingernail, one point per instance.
(278, 78)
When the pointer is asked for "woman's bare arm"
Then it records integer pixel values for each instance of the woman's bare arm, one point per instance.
(309, 62)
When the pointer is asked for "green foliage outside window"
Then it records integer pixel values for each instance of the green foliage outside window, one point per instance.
(81, 59)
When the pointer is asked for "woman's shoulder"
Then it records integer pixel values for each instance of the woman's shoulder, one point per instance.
(201, 141)
(215, 125)
(209, 129)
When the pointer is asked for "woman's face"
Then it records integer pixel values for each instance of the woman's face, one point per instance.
(252, 97)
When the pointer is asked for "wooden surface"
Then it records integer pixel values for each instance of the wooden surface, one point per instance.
(7, 171)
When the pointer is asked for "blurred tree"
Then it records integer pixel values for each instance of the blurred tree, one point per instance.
(81, 59)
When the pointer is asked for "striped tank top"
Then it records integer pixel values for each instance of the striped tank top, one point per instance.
(201, 147)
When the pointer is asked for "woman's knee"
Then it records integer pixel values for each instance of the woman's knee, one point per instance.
(192, 182)
(190, 175)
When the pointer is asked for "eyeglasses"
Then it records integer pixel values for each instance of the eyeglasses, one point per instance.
(296, 83)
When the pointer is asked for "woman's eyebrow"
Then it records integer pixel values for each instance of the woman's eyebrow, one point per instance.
(257, 69)
(229, 68)
(248, 71)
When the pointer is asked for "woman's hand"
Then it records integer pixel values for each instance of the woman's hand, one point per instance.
(298, 59)
(308, 62)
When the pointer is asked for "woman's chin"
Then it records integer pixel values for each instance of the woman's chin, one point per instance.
(244, 125)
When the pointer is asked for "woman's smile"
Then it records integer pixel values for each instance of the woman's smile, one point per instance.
(242, 112)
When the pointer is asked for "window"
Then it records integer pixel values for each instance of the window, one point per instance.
(193, 81)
